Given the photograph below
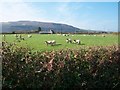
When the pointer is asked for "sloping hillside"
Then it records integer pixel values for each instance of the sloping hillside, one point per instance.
(33, 25)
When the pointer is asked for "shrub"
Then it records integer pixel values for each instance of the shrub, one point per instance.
(94, 67)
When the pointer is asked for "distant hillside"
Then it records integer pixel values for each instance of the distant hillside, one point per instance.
(24, 26)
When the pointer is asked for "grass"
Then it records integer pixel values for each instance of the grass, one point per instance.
(37, 42)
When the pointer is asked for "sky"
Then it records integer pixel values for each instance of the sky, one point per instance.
(85, 15)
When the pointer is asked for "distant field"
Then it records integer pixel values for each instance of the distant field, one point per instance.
(37, 41)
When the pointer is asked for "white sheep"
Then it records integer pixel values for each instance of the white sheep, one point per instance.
(103, 35)
(68, 40)
(29, 36)
(74, 41)
(64, 34)
(53, 42)
(48, 42)
(3, 35)
(19, 37)
(67, 34)
(77, 41)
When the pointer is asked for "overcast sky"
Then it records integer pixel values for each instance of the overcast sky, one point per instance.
(86, 15)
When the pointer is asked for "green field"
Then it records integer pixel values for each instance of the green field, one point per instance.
(37, 41)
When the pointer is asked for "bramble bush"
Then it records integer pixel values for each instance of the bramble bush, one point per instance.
(93, 67)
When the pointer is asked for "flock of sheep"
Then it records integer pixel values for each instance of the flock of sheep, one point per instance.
(68, 40)
(19, 37)
(53, 42)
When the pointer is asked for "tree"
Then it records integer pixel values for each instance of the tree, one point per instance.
(13, 32)
(39, 28)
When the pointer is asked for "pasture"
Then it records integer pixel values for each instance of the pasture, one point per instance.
(63, 68)
(37, 41)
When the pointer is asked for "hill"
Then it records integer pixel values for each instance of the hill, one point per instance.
(28, 26)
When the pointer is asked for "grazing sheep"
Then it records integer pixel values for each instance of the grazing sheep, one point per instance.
(67, 34)
(64, 34)
(53, 42)
(77, 41)
(48, 42)
(20, 37)
(103, 35)
(74, 41)
(29, 36)
(68, 40)
(3, 35)
(17, 36)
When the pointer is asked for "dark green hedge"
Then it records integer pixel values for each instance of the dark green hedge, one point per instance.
(94, 67)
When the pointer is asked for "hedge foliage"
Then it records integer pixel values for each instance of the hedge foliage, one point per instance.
(93, 67)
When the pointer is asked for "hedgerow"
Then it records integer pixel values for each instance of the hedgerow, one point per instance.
(94, 67)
